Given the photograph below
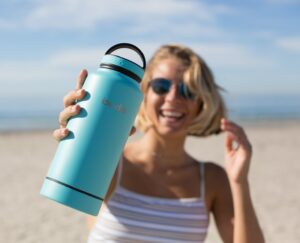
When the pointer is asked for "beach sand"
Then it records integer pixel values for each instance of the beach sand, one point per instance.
(27, 217)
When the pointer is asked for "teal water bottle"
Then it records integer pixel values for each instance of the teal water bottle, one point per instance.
(85, 161)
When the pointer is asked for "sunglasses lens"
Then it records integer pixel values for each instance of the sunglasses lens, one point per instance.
(160, 86)
(185, 92)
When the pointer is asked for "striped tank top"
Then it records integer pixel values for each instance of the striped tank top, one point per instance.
(131, 217)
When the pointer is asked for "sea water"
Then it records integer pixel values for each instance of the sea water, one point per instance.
(42, 114)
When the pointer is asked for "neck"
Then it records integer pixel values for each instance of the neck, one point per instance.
(162, 153)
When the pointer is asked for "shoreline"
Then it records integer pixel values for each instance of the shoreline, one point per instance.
(242, 122)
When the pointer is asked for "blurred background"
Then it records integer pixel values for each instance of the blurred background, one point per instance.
(253, 48)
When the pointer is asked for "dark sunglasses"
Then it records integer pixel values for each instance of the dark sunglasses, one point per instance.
(162, 86)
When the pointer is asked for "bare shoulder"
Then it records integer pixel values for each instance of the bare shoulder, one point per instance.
(215, 172)
(216, 176)
(217, 184)
(131, 152)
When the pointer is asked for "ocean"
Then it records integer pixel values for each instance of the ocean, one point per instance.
(42, 114)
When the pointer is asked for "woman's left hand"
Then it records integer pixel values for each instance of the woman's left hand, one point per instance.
(238, 151)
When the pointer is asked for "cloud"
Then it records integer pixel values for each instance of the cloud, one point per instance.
(7, 24)
(50, 76)
(76, 57)
(231, 55)
(289, 43)
(56, 74)
(80, 14)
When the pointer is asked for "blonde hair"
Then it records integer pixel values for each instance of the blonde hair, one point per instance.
(200, 81)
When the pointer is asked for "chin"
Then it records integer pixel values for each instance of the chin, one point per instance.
(172, 133)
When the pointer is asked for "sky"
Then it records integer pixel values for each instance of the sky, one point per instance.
(253, 47)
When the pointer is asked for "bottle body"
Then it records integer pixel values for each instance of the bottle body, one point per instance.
(85, 161)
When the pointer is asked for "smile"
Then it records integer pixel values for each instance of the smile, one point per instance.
(174, 115)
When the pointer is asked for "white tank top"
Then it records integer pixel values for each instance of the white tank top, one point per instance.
(135, 218)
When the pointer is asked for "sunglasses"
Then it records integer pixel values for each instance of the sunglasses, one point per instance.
(162, 86)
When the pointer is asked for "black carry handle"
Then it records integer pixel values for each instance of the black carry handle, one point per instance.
(129, 46)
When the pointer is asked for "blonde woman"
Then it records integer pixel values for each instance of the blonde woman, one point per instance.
(159, 192)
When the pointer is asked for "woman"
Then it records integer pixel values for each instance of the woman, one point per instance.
(159, 192)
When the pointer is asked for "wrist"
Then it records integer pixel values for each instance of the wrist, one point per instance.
(242, 185)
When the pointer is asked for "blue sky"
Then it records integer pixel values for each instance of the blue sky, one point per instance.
(252, 46)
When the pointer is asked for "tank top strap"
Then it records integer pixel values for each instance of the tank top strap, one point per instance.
(202, 180)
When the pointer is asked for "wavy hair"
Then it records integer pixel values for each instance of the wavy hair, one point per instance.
(199, 78)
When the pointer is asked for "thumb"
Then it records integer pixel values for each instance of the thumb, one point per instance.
(229, 140)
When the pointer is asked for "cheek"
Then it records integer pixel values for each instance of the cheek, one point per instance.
(153, 99)
(151, 103)
(195, 109)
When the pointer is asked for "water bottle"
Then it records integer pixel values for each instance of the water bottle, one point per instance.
(85, 161)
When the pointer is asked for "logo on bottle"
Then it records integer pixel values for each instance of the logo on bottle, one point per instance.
(117, 107)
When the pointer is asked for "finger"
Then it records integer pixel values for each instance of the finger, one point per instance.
(240, 134)
(61, 133)
(132, 131)
(67, 113)
(232, 127)
(226, 124)
(234, 142)
(72, 96)
(231, 142)
(228, 142)
(81, 78)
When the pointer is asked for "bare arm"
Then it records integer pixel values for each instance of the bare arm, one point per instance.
(222, 205)
(233, 211)
(234, 193)
(246, 226)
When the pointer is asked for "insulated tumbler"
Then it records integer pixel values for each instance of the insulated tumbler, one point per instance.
(85, 161)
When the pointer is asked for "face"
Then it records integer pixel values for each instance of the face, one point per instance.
(170, 113)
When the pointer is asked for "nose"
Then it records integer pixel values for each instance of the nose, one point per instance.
(173, 94)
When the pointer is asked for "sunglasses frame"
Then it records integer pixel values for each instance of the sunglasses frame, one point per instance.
(166, 84)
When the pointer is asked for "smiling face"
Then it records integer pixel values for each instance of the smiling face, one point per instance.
(170, 113)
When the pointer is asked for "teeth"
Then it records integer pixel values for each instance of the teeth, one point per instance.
(172, 114)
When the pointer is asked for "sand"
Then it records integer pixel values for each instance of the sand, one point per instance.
(27, 217)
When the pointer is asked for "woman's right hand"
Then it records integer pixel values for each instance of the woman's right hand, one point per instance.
(70, 108)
